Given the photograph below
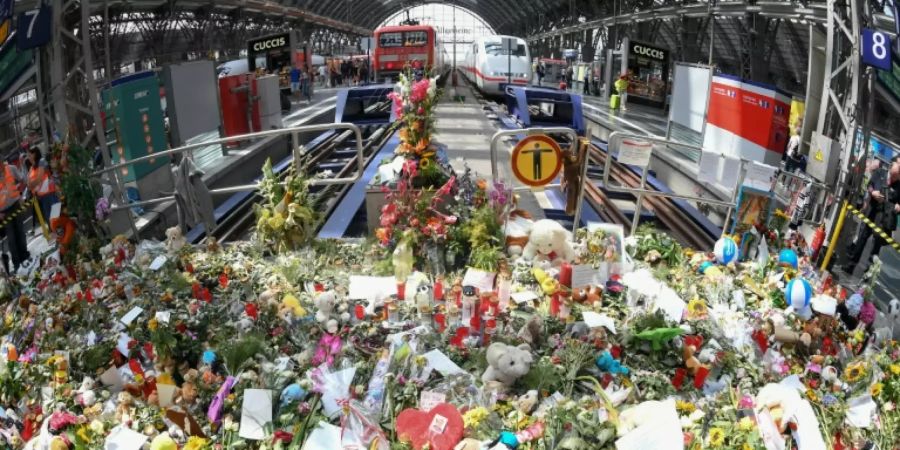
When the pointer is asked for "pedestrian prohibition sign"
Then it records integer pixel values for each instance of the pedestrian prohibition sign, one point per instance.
(536, 160)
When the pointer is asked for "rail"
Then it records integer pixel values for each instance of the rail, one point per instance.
(296, 151)
(549, 130)
(639, 193)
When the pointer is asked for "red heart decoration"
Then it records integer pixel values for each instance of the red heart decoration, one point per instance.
(413, 426)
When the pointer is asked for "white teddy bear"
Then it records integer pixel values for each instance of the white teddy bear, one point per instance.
(507, 363)
(327, 307)
(549, 241)
(175, 241)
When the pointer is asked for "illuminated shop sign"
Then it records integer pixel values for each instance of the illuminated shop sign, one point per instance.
(269, 43)
(648, 51)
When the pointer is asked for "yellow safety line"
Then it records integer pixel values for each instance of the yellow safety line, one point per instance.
(875, 228)
(40, 217)
(862, 217)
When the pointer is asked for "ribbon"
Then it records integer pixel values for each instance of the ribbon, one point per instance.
(215, 408)
(371, 430)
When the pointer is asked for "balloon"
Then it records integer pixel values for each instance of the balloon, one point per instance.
(726, 250)
(704, 266)
(209, 357)
(788, 257)
(798, 293)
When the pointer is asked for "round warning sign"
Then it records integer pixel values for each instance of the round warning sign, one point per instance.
(536, 160)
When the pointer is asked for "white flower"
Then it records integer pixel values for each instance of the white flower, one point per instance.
(97, 426)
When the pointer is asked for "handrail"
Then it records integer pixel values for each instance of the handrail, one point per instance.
(294, 132)
(532, 131)
(642, 191)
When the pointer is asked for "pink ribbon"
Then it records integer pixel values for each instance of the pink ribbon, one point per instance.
(215, 408)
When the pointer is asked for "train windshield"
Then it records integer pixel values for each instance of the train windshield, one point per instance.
(403, 39)
(497, 49)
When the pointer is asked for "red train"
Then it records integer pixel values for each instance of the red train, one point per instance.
(402, 45)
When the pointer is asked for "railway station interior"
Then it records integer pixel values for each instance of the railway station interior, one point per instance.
(449, 225)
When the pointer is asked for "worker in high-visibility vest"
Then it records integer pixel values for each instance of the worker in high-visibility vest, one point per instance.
(41, 183)
(10, 197)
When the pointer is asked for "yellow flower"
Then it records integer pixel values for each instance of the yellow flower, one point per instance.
(855, 371)
(875, 390)
(895, 369)
(195, 443)
(153, 324)
(746, 446)
(746, 424)
(684, 407)
(696, 308)
(716, 437)
(276, 221)
(811, 395)
(474, 416)
(163, 442)
(82, 434)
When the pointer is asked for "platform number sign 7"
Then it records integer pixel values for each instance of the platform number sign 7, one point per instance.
(33, 28)
(876, 49)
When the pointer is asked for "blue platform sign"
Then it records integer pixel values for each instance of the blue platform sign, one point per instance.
(876, 49)
(33, 28)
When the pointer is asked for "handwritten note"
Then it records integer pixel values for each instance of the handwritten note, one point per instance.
(760, 176)
(430, 399)
(585, 275)
(636, 153)
(256, 413)
(524, 296)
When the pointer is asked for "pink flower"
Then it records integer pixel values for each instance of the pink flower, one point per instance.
(419, 91)
(60, 420)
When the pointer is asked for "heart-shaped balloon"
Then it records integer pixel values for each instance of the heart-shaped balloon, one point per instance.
(441, 427)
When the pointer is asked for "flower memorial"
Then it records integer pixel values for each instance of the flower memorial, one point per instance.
(435, 335)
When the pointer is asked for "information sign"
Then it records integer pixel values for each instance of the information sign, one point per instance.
(33, 28)
(6, 13)
(876, 49)
(536, 160)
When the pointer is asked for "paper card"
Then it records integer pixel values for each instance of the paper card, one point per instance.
(760, 176)
(524, 296)
(91, 338)
(663, 432)
(709, 167)
(585, 275)
(442, 363)
(158, 262)
(163, 316)
(324, 437)
(595, 320)
(166, 393)
(483, 281)
(430, 399)
(438, 424)
(366, 288)
(731, 168)
(768, 431)
(256, 413)
(671, 304)
(634, 152)
(123, 438)
(860, 411)
(55, 210)
(337, 387)
(131, 315)
(186, 422)
(112, 378)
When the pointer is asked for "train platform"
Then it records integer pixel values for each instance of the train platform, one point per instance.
(466, 127)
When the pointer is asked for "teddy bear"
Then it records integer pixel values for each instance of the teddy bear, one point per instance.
(517, 229)
(327, 306)
(549, 241)
(175, 240)
(507, 363)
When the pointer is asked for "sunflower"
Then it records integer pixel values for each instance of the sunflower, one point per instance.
(716, 437)
(855, 371)
(696, 308)
(875, 390)
(684, 407)
(746, 424)
(895, 369)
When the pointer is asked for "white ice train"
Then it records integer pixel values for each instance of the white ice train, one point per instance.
(491, 67)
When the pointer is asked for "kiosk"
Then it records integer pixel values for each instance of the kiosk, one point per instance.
(647, 67)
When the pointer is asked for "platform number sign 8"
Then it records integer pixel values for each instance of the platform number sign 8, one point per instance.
(876, 49)
(33, 28)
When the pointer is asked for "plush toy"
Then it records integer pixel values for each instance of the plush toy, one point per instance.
(549, 241)
(517, 229)
(507, 363)
(606, 363)
(526, 402)
(175, 241)
(532, 332)
(292, 393)
(327, 307)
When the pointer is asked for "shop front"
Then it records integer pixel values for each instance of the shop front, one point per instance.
(647, 68)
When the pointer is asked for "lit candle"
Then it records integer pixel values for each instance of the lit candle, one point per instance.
(439, 289)
(565, 275)
(504, 286)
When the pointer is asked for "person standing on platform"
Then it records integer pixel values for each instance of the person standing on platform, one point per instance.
(621, 86)
(10, 198)
(883, 208)
(41, 184)
(540, 74)
(323, 75)
(295, 81)
(587, 80)
(792, 160)
(304, 84)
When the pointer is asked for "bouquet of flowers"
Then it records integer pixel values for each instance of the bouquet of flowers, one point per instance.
(414, 102)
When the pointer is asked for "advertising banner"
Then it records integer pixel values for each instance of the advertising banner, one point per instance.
(748, 120)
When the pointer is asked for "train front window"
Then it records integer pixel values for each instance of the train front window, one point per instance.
(415, 38)
(390, 40)
(497, 49)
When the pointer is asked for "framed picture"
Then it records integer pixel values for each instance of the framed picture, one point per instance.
(607, 243)
(754, 206)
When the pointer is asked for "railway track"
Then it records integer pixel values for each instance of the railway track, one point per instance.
(334, 157)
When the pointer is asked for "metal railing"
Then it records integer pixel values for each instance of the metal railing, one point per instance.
(296, 152)
(788, 183)
(532, 131)
(615, 140)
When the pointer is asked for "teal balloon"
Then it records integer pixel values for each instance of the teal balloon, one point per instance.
(788, 257)
(705, 265)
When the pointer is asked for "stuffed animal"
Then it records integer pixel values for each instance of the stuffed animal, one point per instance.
(532, 332)
(517, 229)
(325, 305)
(507, 363)
(549, 241)
(526, 402)
(606, 363)
(175, 241)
